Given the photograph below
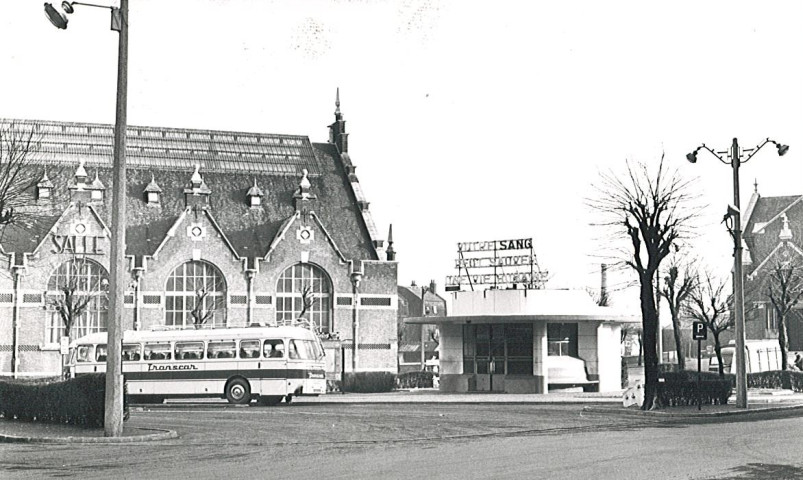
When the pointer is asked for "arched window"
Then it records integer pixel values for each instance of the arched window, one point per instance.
(195, 296)
(305, 284)
(76, 299)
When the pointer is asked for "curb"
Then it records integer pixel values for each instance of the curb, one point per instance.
(159, 434)
(757, 411)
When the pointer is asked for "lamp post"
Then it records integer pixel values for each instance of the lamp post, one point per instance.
(735, 157)
(113, 419)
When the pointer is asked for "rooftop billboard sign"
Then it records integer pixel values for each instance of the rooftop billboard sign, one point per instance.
(513, 265)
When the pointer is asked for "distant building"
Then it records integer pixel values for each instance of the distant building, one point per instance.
(773, 235)
(410, 336)
(247, 225)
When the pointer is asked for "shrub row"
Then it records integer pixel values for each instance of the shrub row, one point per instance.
(414, 380)
(682, 388)
(368, 382)
(787, 379)
(78, 401)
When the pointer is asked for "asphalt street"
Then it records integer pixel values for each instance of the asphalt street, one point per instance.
(423, 441)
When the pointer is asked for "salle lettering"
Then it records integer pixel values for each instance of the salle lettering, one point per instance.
(152, 367)
(75, 244)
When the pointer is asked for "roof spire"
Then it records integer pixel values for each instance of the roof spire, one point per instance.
(391, 253)
(755, 185)
(337, 103)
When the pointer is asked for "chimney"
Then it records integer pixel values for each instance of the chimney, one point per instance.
(432, 286)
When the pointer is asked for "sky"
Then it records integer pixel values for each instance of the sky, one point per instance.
(468, 120)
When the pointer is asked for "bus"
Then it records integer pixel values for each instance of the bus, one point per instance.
(267, 364)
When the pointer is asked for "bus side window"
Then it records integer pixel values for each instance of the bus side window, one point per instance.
(221, 349)
(84, 353)
(249, 348)
(189, 350)
(100, 353)
(157, 351)
(273, 349)
(131, 353)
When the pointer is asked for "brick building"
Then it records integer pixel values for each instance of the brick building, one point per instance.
(243, 226)
(773, 235)
(415, 301)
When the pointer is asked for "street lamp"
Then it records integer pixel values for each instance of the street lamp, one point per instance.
(735, 157)
(113, 419)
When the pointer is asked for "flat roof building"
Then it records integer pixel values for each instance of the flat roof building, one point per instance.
(527, 341)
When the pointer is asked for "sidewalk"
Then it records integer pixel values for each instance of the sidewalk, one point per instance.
(761, 404)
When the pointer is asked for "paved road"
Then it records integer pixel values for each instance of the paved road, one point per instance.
(422, 441)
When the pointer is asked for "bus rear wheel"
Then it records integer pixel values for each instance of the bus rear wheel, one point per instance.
(238, 392)
(270, 400)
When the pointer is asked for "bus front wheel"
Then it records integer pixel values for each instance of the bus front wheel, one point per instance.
(238, 392)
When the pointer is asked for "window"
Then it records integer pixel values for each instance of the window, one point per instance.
(85, 353)
(100, 353)
(273, 349)
(304, 288)
(562, 339)
(249, 348)
(498, 349)
(772, 316)
(305, 350)
(195, 295)
(76, 292)
(189, 350)
(222, 349)
(132, 353)
(157, 351)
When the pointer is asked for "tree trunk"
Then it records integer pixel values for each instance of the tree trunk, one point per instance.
(718, 351)
(783, 341)
(678, 342)
(649, 318)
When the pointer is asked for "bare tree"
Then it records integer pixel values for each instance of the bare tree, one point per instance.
(785, 289)
(676, 288)
(708, 305)
(17, 149)
(205, 304)
(651, 212)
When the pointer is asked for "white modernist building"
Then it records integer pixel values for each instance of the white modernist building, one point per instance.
(528, 341)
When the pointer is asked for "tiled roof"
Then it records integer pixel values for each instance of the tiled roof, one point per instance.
(171, 148)
(764, 225)
(230, 164)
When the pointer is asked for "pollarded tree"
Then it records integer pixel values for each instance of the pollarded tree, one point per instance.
(205, 302)
(785, 289)
(708, 305)
(676, 288)
(651, 212)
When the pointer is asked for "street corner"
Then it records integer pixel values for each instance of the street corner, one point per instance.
(132, 435)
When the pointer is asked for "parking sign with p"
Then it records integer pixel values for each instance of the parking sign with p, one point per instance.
(698, 331)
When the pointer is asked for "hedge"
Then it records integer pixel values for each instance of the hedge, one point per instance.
(786, 379)
(414, 380)
(682, 388)
(79, 401)
(368, 382)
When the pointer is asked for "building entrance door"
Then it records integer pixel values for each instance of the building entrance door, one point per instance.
(490, 358)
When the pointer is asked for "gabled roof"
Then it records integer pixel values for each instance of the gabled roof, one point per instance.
(230, 163)
(763, 226)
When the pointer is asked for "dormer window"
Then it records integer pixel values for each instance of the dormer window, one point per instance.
(44, 187)
(152, 192)
(255, 195)
(97, 189)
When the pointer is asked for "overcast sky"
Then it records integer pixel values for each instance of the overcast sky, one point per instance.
(468, 120)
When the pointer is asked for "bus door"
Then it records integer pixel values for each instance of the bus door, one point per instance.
(274, 368)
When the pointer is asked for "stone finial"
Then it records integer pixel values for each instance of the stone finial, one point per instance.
(196, 178)
(80, 172)
(786, 232)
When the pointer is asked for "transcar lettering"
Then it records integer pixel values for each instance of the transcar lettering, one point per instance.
(152, 367)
